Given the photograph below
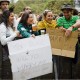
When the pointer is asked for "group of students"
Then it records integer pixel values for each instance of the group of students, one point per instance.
(10, 28)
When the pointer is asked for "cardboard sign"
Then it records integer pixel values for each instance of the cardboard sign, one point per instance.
(30, 57)
(62, 45)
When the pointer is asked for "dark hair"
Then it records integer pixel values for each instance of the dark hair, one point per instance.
(75, 12)
(45, 12)
(25, 17)
(61, 14)
(27, 7)
(5, 16)
(40, 18)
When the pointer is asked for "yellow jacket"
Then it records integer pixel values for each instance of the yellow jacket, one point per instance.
(43, 24)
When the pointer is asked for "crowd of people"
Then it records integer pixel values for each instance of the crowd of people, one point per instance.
(29, 24)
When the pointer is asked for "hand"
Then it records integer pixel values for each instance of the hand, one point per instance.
(79, 29)
(63, 29)
(33, 35)
(68, 31)
(17, 33)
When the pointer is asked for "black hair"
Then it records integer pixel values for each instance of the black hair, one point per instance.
(24, 18)
(75, 12)
(5, 16)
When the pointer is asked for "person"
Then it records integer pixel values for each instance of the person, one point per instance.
(4, 4)
(47, 21)
(7, 34)
(67, 22)
(27, 9)
(25, 25)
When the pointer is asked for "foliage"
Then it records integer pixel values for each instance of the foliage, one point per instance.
(38, 6)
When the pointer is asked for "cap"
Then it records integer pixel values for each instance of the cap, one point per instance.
(4, 1)
(66, 7)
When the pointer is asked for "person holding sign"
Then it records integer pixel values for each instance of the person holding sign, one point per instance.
(7, 34)
(47, 21)
(25, 25)
(68, 23)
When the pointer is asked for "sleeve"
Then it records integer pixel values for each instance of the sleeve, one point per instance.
(40, 25)
(3, 37)
(77, 18)
(59, 22)
(23, 31)
(15, 23)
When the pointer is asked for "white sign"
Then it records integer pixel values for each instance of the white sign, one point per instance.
(30, 57)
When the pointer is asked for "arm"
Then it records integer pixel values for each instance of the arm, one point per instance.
(3, 38)
(23, 31)
(77, 24)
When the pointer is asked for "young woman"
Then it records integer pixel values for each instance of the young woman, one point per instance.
(47, 21)
(7, 34)
(25, 25)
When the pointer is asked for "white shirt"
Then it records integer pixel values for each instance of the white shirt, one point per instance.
(6, 34)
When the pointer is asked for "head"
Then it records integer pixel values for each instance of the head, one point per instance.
(67, 10)
(7, 17)
(27, 19)
(4, 4)
(27, 9)
(48, 15)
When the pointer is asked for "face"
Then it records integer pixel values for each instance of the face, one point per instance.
(67, 14)
(11, 18)
(49, 17)
(30, 19)
(28, 9)
(4, 5)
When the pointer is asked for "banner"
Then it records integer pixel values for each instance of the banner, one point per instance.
(30, 57)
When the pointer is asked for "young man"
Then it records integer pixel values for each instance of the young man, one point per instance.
(68, 22)
(4, 4)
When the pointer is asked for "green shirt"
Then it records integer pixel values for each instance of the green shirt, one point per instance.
(63, 22)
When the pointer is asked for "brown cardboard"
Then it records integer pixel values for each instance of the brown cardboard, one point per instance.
(56, 51)
(62, 45)
(67, 53)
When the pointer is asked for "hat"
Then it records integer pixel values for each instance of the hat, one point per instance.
(66, 7)
(4, 1)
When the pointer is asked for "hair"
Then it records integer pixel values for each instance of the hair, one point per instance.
(5, 16)
(75, 12)
(25, 17)
(61, 14)
(27, 7)
(45, 12)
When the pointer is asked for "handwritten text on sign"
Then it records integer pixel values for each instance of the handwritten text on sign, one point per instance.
(29, 55)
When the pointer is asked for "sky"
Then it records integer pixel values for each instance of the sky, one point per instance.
(15, 1)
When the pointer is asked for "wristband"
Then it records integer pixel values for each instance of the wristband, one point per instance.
(73, 27)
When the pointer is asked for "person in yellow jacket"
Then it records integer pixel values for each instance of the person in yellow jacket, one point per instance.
(47, 21)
